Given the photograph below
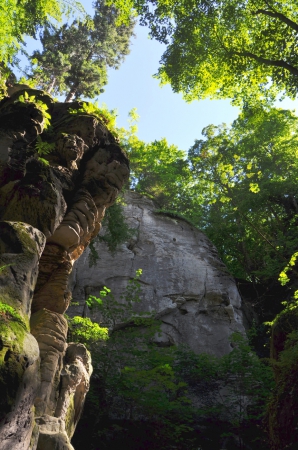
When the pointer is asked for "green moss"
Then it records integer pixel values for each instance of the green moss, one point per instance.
(12, 361)
(7, 312)
(70, 416)
(27, 242)
(284, 323)
(9, 297)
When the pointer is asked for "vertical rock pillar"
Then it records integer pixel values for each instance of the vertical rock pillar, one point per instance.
(61, 201)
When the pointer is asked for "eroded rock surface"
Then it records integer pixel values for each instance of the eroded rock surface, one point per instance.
(55, 184)
(183, 279)
(20, 248)
(75, 378)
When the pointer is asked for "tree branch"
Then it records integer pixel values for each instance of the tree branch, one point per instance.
(269, 62)
(279, 16)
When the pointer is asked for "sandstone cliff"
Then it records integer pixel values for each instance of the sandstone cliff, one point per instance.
(183, 279)
(60, 168)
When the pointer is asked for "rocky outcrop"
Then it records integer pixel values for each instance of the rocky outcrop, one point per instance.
(60, 168)
(21, 246)
(183, 279)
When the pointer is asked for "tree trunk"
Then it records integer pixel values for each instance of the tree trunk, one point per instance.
(52, 85)
(71, 95)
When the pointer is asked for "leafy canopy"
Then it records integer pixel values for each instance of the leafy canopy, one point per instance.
(225, 49)
(242, 177)
(20, 18)
(246, 178)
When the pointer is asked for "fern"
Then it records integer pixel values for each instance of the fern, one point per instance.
(43, 148)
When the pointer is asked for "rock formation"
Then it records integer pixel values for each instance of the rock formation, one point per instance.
(183, 279)
(59, 170)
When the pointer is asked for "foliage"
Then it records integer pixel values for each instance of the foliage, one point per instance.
(174, 215)
(75, 57)
(83, 330)
(245, 375)
(225, 49)
(18, 19)
(235, 387)
(158, 169)
(241, 177)
(288, 357)
(283, 277)
(245, 177)
(284, 397)
(101, 112)
(7, 312)
(4, 267)
(135, 376)
(116, 232)
(43, 148)
(114, 311)
(43, 108)
(134, 380)
(108, 117)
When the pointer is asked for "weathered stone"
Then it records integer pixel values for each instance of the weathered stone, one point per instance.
(52, 434)
(20, 248)
(19, 126)
(19, 360)
(91, 130)
(35, 200)
(50, 330)
(51, 290)
(71, 149)
(183, 279)
(64, 198)
(79, 223)
(55, 428)
(74, 386)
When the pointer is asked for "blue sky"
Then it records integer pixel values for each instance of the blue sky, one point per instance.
(162, 113)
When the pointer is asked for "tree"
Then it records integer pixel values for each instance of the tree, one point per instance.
(237, 184)
(225, 49)
(75, 57)
(25, 18)
(246, 179)
(158, 169)
(164, 391)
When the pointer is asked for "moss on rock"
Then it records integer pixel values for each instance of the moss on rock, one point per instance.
(13, 361)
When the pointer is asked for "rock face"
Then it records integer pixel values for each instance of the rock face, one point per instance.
(21, 246)
(183, 279)
(60, 168)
